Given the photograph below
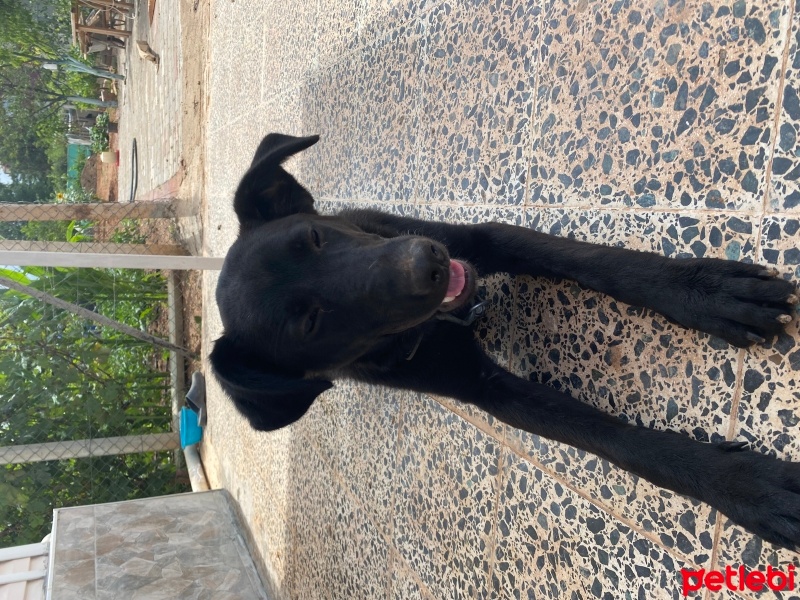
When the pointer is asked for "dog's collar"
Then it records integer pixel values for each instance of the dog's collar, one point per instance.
(477, 311)
(474, 313)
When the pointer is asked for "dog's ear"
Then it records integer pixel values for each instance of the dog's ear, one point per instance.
(267, 191)
(268, 399)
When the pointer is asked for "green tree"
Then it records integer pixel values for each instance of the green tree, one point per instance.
(26, 191)
(63, 378)
(32, 125)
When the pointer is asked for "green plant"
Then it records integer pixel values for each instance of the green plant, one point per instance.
(99, 134)
(63, 378)
(128, 232)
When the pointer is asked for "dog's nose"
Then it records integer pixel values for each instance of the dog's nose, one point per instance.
(428, 266)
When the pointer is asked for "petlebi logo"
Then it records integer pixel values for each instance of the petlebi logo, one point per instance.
(739, 579)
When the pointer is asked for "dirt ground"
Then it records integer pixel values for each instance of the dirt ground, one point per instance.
(195, 15)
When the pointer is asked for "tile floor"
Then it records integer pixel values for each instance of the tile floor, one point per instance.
(668, 126)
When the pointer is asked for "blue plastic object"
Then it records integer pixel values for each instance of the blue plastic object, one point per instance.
(191, 432)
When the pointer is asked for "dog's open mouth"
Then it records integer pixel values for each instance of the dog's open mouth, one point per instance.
(460, 288)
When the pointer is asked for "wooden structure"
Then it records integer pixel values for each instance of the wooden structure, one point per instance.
(23, 571)
(100, 22)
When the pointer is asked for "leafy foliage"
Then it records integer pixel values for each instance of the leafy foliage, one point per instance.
(99, 134)
(63, 378)
(32, 128)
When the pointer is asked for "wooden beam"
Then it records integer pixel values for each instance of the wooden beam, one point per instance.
(100, 211)
(112, 446)
(26, 551)
(104, 30)
(20, 576)
(110, 3)
(109, 261)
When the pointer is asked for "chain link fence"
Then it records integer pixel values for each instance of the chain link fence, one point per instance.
(86, 384)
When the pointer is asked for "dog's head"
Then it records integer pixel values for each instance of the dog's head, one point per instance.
(303, 295)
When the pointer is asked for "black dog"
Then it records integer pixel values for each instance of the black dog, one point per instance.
(306, 299)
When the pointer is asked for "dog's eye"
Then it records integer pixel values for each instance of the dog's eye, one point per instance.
(315, 238)
(312, 320)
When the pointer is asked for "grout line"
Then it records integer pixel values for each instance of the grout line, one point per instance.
(528, 147)
(556, 207)
(391, 559)
(414, 576)
(787, 37)
(500, 480)
(569, 484)
(649, 536)
(735, 402)
(401, 413)
(737, 395)
(420, 67)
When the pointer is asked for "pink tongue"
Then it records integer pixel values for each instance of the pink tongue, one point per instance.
(457, 279)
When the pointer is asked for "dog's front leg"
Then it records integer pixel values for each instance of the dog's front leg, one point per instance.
(741, 303)
(756, 491)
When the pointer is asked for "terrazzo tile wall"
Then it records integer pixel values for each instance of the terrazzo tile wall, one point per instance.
(184, 546)
(663, 125)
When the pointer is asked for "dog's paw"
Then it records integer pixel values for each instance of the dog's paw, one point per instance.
(760, 493)
(741, 303)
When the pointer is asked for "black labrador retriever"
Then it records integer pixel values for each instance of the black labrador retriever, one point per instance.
(306, 299)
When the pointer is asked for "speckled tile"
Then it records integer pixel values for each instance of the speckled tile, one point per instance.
(356, 428)
(785, 177)
(313, 519)
(445, 500)
(337, 551)
(738, 547)
(664, 104)
(236, 38)
(436, 108)
(381, 16)
(385, 154)
(631, 363)
(552, 543)
(289, 52)
(359, 543)
(403, 586)
(332, 113)
(270, 499)
(227, 160)
(628, 360)
(476, 102)
(769, 409)
(339, 29)
(230, 152)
